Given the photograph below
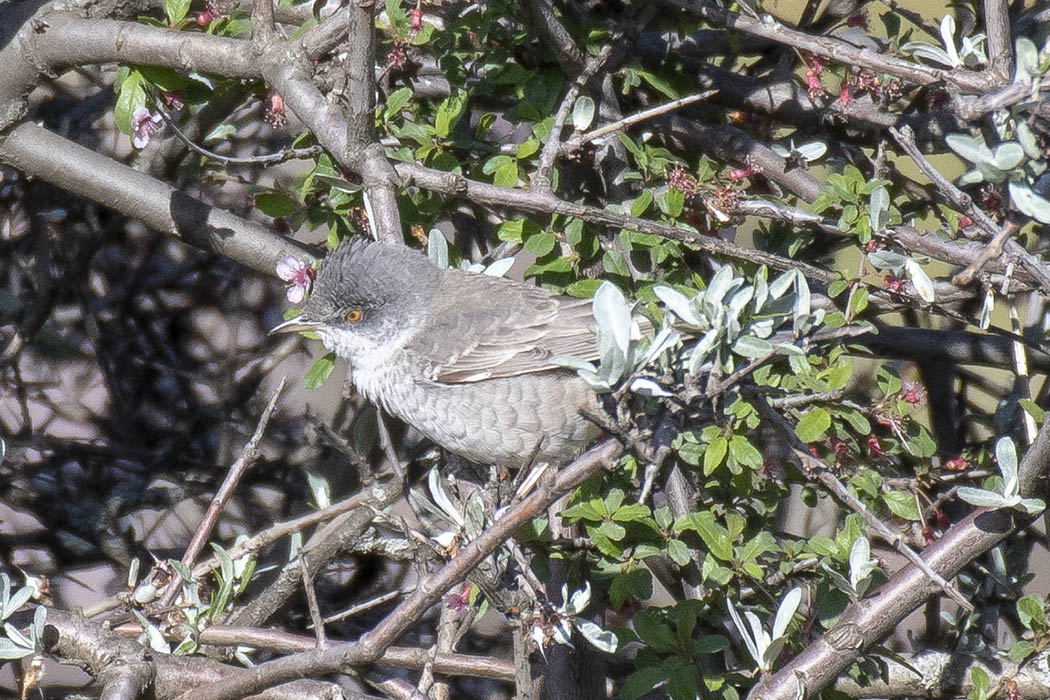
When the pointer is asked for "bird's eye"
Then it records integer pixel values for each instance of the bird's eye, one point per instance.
(353, 315)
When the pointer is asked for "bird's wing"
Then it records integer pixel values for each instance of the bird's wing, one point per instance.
(511, 329)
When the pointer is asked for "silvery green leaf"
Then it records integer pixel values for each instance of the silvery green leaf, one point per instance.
(786, 611)
(600, 639)
(647, 387)
(10, 650)
(570, 362)
(1030, 203)
(153, 635)
(803, 303)
(562, 632)
(539, 638)
(19, 599)
(812, 150)
(701, 351)
(986, 310)
(744, 632)
(1027, 60)
(929, 52)
(981, 497)
(596, 382)
(971, 51)
(146, 593)
(1006, 456)
(761, 328)
(878, 206)
(441, 498)
(613, 315)
(579, 600)
(971, 177)
(133, 572)
(1026, 137)
(771, 653)
(948, 37)
(320, 489)
(922, 282)
(582, 113)
(499, 267)
(991, 173)
(17, 637)
(750, 346)
(860, 564)
(739, 299)
(718, 286)
(1008, 156)
(761, 637)
(40, 619)
(612, 361)
(664, 340)
(790, 349)
(677, 303)
(972, 149)
(838, 579)
(437, 248)
(887, 260)
(761, 289)
(1032, 505)
(781, 284)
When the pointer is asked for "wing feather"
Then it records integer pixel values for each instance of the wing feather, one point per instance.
(515, 329)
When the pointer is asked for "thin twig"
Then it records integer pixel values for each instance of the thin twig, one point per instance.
(541, 179)
(578, 140)
(827, 477)
(237, 470)
(311, 602)
(267, 159)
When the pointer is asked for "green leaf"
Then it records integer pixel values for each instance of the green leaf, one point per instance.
(678, 551)
(449, 112)
(715, 454)
(714, 535)
(527, 148)
(636, 583)
(318, 373)
(396, 101)
(631, 512)
(744, 452)
(582, 113)
(176, 10)
(506, 175)
(1021, 650)
(902, 504)
(540, 244)
(641, 203)
(132, 96)
(274, 204)
(1031, 612)
(813, 425)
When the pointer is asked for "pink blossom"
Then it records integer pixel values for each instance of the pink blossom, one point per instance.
(299, 276)
(143, 125)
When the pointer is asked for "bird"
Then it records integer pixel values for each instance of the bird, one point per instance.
(466, 358)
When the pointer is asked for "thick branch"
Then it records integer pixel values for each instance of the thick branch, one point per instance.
(373, 643)
(40, 153)
(871, 619)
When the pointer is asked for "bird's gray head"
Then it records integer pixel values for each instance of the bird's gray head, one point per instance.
(366, 296)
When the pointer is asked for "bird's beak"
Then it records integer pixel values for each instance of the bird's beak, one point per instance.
(296, 325)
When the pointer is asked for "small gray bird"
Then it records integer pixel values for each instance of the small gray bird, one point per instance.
(463, 357)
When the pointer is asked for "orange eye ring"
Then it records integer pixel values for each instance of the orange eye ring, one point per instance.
(353, 315)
